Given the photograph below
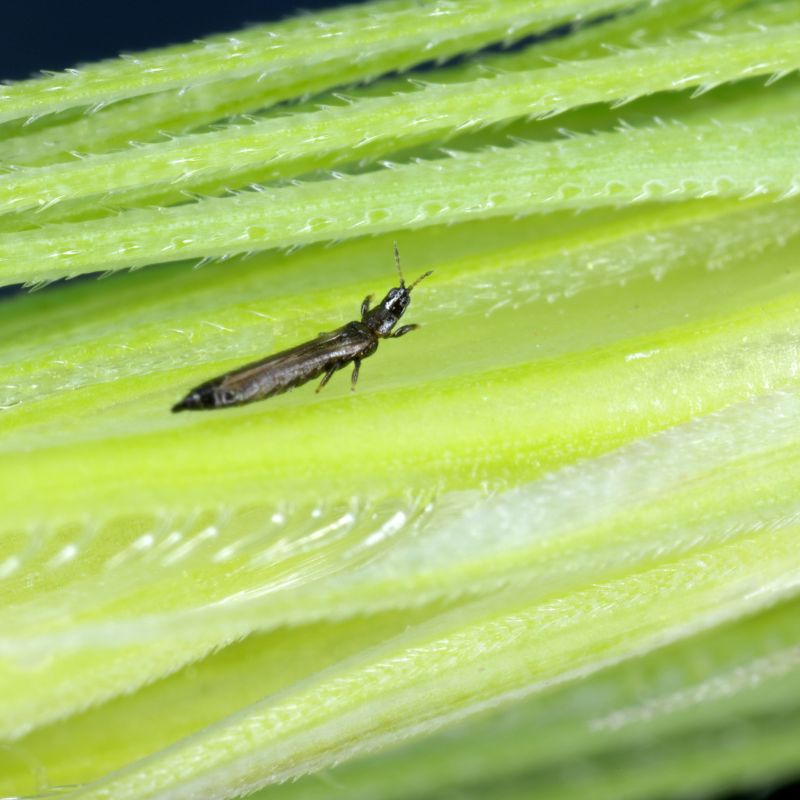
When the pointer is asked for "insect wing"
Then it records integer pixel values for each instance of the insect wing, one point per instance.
(293, 367)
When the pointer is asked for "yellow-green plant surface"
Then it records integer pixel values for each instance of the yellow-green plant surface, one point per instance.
(551, 546)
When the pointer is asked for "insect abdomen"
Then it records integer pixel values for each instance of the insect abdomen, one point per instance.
(283, 371)
(248, 384)
(201, 397)
(229, 390)
(281, 379)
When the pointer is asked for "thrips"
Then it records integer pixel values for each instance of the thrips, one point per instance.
(329, 352)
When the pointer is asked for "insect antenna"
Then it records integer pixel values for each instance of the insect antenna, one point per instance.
(397, 263)
(400, 272)
(421, 278)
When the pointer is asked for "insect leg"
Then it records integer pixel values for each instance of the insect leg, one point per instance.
(326, 378)
(365, 306)
(354, 379)
(404, 330)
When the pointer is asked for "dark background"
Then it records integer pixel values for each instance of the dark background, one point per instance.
(55, 35)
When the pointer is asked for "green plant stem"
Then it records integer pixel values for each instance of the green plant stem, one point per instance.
(145, 118)
(363, 32)
(140, 325)
(307, 141)
(442, 668)
(570, 497)
(588, 400)
(737, 676)
(609, 169)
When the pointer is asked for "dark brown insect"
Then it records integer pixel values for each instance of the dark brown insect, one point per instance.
(322, 356)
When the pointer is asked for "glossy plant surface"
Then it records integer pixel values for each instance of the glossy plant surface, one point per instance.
(549, 546)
